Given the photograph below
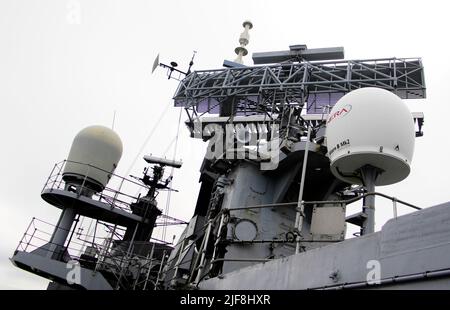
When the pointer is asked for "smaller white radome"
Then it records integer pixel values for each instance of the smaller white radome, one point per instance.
(97, 146)
(370, 126)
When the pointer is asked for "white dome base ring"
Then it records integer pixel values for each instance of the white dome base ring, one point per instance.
(343, 167)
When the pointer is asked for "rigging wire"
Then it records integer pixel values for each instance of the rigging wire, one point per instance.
(169, 146)
(83, 245)
(113, 120)
(169, 193)
(174, 141)
(148, 139)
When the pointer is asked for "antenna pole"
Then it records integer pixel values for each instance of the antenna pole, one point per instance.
(243, 41)
(114, 120)
(300, 206)
(191, 63)
(369, 175)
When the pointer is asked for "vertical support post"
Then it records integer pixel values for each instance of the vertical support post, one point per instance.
(222, 217)
(95, 232)
(84, 181)
(31, 238)
(300, 206)
(49, 177)
(116, 194)
(126, 257)
(132, 240)
(149, 267)
(59, 174)
(61, 231)
(178, 262)
(104, 251)
(160, 269)
(77, 219)
(394, 206)
(369, 175)
(203, 253)
(25, 234)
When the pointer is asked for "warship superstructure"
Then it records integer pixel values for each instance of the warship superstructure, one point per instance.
(291, 142)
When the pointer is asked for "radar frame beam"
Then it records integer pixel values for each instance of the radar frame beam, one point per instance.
(269, 89)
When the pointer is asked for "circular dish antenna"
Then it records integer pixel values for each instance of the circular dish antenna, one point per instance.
(93, 157)
(370, 127)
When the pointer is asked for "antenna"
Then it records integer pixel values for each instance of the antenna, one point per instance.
(362, 151)
(155, 63)
(243, 41)
(173, 67)
(298, 52)
(162, 161)
(191, 63)
(114, 120)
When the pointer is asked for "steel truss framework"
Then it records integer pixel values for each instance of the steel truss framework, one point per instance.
(270, 89)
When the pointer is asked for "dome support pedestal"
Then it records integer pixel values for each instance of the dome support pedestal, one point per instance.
(369, 176)
(61, 232)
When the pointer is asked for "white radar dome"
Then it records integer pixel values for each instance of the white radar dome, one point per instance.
(101, 149)
(370, 126)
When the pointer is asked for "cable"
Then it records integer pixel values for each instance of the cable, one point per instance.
(147, 139)
(85, 241)
(169, 194)
(169, 146)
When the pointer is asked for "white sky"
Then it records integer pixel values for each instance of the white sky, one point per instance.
(57, 78)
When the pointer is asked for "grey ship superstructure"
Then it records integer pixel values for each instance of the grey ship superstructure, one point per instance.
(258, 223)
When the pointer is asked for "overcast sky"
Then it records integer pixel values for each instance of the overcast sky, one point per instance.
(60, 73)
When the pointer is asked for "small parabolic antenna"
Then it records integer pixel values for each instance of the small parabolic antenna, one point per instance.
(155, 63)
(172, 67)
(370, 137)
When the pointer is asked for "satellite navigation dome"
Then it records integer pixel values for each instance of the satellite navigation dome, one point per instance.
(370, 127)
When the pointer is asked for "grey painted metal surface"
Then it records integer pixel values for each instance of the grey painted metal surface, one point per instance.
(249, 188)
(412, 244)
(89, 207)
(269, 227)
(54, 269)
(61, 231)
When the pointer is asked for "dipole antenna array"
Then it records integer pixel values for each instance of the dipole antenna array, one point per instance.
(243, 41)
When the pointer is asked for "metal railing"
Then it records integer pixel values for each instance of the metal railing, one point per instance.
(113, 194)
(333, 202)
(116, 198)
(39, 233)
(337, 203)
(108, 256)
